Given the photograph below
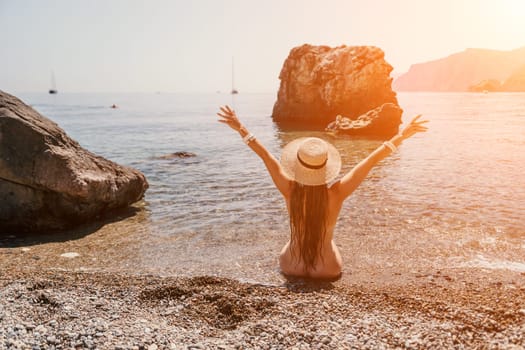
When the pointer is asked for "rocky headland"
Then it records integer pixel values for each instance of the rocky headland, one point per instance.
(48, 182)
(319, 82)
(516, 81)
(471, 70)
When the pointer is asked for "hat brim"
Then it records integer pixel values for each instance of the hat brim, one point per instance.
(311, 177)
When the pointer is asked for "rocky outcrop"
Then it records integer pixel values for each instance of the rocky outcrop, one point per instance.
(318, 83)
(380, 121)
(461, 70)
(47, 181)
(516, 81)
(489, 85)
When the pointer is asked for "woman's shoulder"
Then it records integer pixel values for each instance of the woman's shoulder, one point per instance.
(335, 196)
(335, 188)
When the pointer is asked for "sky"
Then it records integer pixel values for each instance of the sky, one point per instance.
(188, 45)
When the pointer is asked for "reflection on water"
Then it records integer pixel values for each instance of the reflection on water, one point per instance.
(441, 198)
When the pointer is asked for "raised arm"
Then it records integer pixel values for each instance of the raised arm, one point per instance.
(353, 179)
(282, 183)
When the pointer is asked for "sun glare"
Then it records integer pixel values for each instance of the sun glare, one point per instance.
(492, 24)
(509, 13)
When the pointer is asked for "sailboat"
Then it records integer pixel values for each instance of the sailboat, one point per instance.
(234, 90)
(53, 89)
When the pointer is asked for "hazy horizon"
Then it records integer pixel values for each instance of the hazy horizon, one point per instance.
(174, 46)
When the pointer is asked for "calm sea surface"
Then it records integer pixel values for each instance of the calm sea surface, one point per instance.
(453, 196)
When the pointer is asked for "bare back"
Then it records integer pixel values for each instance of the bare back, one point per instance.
(329, 264)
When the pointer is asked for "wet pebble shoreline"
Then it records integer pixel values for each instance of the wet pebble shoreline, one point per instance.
(65, 310)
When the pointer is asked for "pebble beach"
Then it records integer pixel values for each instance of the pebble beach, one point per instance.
(50, 308)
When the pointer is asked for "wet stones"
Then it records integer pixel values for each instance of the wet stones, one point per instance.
(382, 121)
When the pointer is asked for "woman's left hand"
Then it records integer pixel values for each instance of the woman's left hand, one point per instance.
(230, 118)
(414, 127)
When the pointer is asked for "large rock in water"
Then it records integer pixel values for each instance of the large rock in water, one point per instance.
(47, 181)
(318, 83)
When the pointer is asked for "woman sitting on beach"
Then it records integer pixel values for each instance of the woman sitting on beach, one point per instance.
(307, 166)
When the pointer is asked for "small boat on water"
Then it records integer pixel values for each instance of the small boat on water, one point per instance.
(53, 89)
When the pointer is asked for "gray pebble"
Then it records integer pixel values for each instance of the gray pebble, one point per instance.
(41, 329)
(52, 339)
(326, 340)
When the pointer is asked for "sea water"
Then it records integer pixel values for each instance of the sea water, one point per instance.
(454, 196)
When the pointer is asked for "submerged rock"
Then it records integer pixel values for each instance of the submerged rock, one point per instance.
(47, 181)
(318, 83)
(177, 155)
(382, 121)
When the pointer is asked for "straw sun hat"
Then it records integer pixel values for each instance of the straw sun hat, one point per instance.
(310, 161)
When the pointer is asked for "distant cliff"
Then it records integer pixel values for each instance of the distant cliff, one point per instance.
(462, 70)
(516, 82)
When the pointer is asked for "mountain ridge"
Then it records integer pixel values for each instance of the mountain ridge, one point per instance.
(461, 70)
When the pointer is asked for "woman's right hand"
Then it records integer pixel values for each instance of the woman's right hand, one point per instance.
(414, 127)
(229, 118)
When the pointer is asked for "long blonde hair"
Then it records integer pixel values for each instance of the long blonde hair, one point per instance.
(308, 206)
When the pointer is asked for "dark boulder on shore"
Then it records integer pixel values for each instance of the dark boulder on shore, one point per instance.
(382, 121)
(319, 82)
(48, 182)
